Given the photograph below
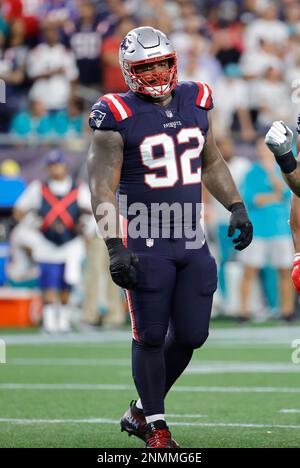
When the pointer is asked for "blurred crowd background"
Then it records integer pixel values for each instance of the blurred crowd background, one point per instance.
(58, 56)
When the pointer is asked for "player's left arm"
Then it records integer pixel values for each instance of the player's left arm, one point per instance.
(295, 222)
(293, 180)
(219, 182)
(279, 140)
(215, 173)
(295, 228)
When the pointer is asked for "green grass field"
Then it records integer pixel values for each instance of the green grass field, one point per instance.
(241, 390)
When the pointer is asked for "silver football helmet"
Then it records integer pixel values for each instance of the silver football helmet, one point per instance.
(148, 62)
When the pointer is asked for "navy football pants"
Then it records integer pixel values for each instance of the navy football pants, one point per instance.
(170, 311)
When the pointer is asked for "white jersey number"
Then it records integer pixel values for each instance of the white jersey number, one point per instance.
(169, 161)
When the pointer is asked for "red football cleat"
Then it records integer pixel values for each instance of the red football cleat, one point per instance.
(159, 436)
(134, 422)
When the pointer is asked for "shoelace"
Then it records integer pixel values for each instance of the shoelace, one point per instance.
(159, 438)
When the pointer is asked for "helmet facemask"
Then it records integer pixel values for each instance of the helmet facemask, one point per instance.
(144, 80)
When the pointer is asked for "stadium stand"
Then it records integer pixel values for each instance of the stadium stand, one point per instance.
(56, 58)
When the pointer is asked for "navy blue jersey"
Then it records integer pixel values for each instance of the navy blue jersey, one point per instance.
(162, 145)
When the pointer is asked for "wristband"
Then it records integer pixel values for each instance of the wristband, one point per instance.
(114, 242)
(236, 206)
(287, 162)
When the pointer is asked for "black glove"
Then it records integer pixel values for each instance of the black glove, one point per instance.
(123, 264)
(239, 220)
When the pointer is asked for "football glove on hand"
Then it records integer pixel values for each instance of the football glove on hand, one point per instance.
(296, 272)
(239, 220)
(123, 264)
(279, 138)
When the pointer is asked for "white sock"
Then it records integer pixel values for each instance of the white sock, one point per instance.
(155, 417)
(64, 318)
(139, 404)
(50, 322)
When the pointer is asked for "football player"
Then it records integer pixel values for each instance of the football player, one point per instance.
(152, 144)
(280, 141)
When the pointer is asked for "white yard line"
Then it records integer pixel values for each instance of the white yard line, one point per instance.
(117, 387)
(59, 421)
(113, 421)
(17, 386)
(196, 367)
(236, 336)
(225, 367)
(237, 425)
(237, 389)
(189, 416)
(68, 362)
(289, 410)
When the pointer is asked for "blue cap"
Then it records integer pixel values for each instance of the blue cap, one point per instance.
(55, 156)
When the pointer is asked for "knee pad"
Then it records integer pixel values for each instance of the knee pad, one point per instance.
(153, 335)
(194, 340)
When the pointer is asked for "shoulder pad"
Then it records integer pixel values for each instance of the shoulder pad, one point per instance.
(204, 96)
(108, 111)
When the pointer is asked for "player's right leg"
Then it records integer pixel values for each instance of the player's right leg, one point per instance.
(150, 307)
(196, 283)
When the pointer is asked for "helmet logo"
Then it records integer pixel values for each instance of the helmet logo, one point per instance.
(124, 45)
